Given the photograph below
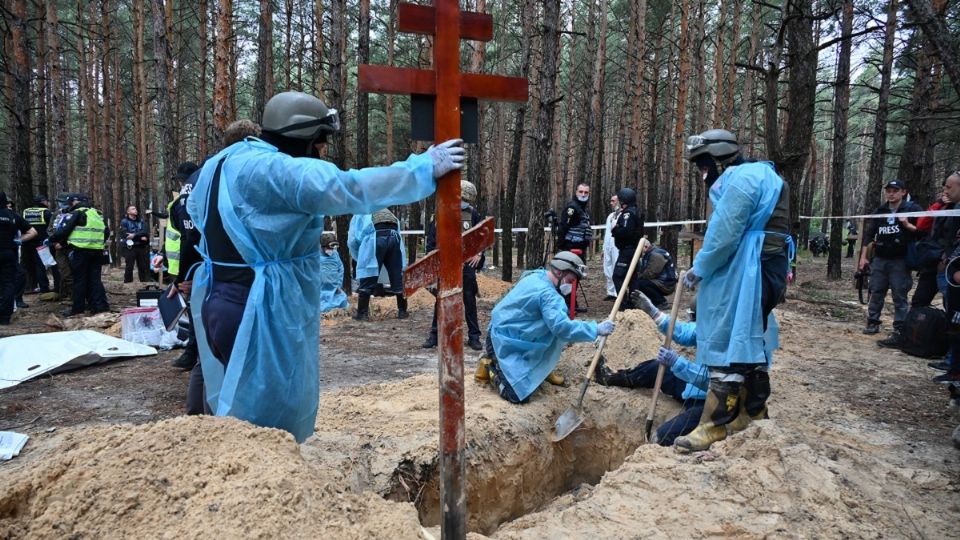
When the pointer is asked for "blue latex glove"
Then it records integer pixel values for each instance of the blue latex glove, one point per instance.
(447, 156)
(605, 328)
(667, 357)
(690, 280)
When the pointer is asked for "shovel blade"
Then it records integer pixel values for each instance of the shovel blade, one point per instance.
(568, 421)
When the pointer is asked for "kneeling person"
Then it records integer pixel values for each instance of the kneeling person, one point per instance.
(530, 326)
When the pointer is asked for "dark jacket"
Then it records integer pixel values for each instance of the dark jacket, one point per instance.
(574, 231)
(629, 230)
(475, 218)
(136, 227)
(889, 237)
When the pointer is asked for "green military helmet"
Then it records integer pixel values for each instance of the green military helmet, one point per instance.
(718, 143)
(468, 192)
(299, 116)
(568, 261)
(328, 240)
(384, 216)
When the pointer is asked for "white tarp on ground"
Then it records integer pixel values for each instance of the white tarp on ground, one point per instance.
(25, 357)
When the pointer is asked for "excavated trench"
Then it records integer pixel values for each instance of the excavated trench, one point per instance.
(518, 475)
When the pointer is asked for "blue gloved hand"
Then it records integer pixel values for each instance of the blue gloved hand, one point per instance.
(447, 156)
(690, 280)
(605, 328)
(667, 357)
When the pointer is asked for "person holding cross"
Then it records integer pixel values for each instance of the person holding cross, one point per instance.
(259, 206)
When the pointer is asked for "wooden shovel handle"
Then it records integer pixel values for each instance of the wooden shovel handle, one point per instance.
(616, 308)
(667, 340)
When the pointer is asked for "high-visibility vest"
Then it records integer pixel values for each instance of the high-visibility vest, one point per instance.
(171, 243)
(35, 216)
(90, 236)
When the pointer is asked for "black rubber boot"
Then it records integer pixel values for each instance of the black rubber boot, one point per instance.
(602, 373)
(402, 307)
(363, 308)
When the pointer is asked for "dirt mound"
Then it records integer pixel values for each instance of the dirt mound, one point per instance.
(189, 477)
(492, 288)
(766, 481)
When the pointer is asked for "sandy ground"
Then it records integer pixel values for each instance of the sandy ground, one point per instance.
(857, 444)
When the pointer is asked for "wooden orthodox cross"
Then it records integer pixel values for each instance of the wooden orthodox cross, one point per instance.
(448, 25)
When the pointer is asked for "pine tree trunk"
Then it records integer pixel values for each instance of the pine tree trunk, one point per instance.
(203, 128)
(363, 99)
(338, 83)
(164, 99)
(318, 48)
(878, 152)
(391, 51)
(111, 192)
(287, 44)
(263, 88)
(21, 115)
(595, 136)
(942, 40)
(919, 128)
(513, 173)
(730, 73)
(719, 59)
(223, 63)
(58, 109)
(670, 239)
(637, 55)
(841, 103)
(543, 131)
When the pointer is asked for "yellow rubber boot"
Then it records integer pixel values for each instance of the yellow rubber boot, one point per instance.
(721, 407)
(482, 375)
(555, 378)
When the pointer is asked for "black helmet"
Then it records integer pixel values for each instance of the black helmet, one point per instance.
(627, 196)
(79, 198)
(40, 199)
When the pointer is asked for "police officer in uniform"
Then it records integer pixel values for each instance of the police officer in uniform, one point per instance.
(84, 233)
(10, 224)
(389, 254)
(888, 269)
(65, 286)
(469, 217)
(39, 217)
(627, 234)
(574, 230)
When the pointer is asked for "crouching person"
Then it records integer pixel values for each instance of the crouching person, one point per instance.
(530, 326)
(683, 380)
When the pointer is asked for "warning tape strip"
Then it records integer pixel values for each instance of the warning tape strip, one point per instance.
(656, 224)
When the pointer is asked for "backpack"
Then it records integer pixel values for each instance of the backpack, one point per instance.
(924, 332)
(669, 273)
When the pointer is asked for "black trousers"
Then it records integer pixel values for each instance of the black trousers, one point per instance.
(140, 256)
(389, 256)
(8, 274)
(651, 290)
(221, 314)
(36, 272)
(470, 291)
(88, 291)
(624, 257)
(926, 289)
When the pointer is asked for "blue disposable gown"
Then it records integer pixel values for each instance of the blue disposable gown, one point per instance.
(331, 282)
(362, 243)
(272, 206)
(696, 376)
(529, 327)
(729, 325)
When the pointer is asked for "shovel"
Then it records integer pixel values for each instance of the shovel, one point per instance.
(666, 343)
(573, 417)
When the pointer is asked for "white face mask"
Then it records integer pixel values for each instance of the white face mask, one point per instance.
(566, 288)
(584, 198)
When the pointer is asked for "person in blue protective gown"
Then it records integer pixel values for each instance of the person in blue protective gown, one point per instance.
(529, 327)
(259, 206)
(684, 380)
(374, 242)
(741, 271)
(331, 274)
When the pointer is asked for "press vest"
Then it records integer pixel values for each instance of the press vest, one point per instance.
(35, 216)
(89, 236)
(171, 243)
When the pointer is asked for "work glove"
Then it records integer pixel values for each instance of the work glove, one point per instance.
(605, 328)
(641, 302)
(447, 156)
(690, 280)
(667, 357)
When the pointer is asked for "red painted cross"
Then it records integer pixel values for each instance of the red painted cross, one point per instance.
(448, 25)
